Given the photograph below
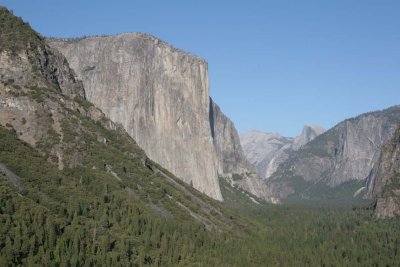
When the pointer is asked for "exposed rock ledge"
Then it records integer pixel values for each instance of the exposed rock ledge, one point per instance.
(161, 97)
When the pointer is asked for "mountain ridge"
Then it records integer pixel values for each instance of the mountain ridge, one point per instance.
(76, 189)
(267, 150)
(161, 97)
(344, 153)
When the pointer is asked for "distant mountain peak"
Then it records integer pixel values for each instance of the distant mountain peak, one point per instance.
(308, 134)
(338, 162)
(267, 150)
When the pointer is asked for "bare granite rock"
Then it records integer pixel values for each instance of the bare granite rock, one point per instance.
(266, 151)
(347, 152)
(309, 133)
(232, 163)
(161, 97)
(384, 186)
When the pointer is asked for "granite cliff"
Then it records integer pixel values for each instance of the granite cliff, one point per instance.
(267, 150)
(232, 163)
(384, 185)
(160, 95)
(56, 148)
(344, 155)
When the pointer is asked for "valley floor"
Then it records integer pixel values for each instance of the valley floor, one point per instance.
(86, 217)
(317, 235)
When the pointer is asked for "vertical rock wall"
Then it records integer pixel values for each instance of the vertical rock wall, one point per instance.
(159, 94)
(385, 187)
(230, 155)
(347, 152)
(161, 97)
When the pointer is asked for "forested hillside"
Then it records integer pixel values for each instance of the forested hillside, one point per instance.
(76, 190)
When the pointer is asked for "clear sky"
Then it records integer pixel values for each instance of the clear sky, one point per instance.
(273, 65)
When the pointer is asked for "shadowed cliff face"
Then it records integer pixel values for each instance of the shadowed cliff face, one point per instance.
(345, 153)
(232, 163)
(161, 97)
(385, 184)
(230, 155)
(71, 151)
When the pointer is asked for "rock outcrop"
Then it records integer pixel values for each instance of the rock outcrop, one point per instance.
(39, 94)
(347, 152)
(160, 95)
(38, 66)
(229, 152)
(266, 151)
(29, 70)
(309, 133)
(232, 163)
(74, 159)
(385, 185)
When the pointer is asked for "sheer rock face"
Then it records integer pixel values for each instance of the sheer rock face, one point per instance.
(309, 133)
(347, 152)
(161, 97)
(266, 151)
(229, 152)
(230, 155)
(385, 187)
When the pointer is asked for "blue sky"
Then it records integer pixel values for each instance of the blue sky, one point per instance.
(273, 65)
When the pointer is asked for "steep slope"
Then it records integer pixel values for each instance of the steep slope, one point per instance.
(267, 150)
(345, 154)
(262, 149)
(159, 94)
(75, 187)
(37, 66)
(232, 164)
(100, 201)
(161, 97)
(309, 133)
(385, 185)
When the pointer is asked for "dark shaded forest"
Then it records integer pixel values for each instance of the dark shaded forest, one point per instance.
(115, 207)
(58, 219)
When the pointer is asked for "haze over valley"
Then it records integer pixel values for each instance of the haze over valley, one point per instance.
(115, 152)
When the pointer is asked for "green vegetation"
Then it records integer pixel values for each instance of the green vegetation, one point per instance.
(89, 196)
(237, 177)
(83, 216)
(15, 34)
(83, 102)
(234, 197)
(316, 234)
(319, 192)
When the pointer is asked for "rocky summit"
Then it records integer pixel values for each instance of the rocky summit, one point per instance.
(267, 150)
(76, 189)
(345, 154)
(161, 96)
(69, 175)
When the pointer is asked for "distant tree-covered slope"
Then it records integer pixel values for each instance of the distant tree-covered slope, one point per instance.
(336, 164)
(76, 190)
